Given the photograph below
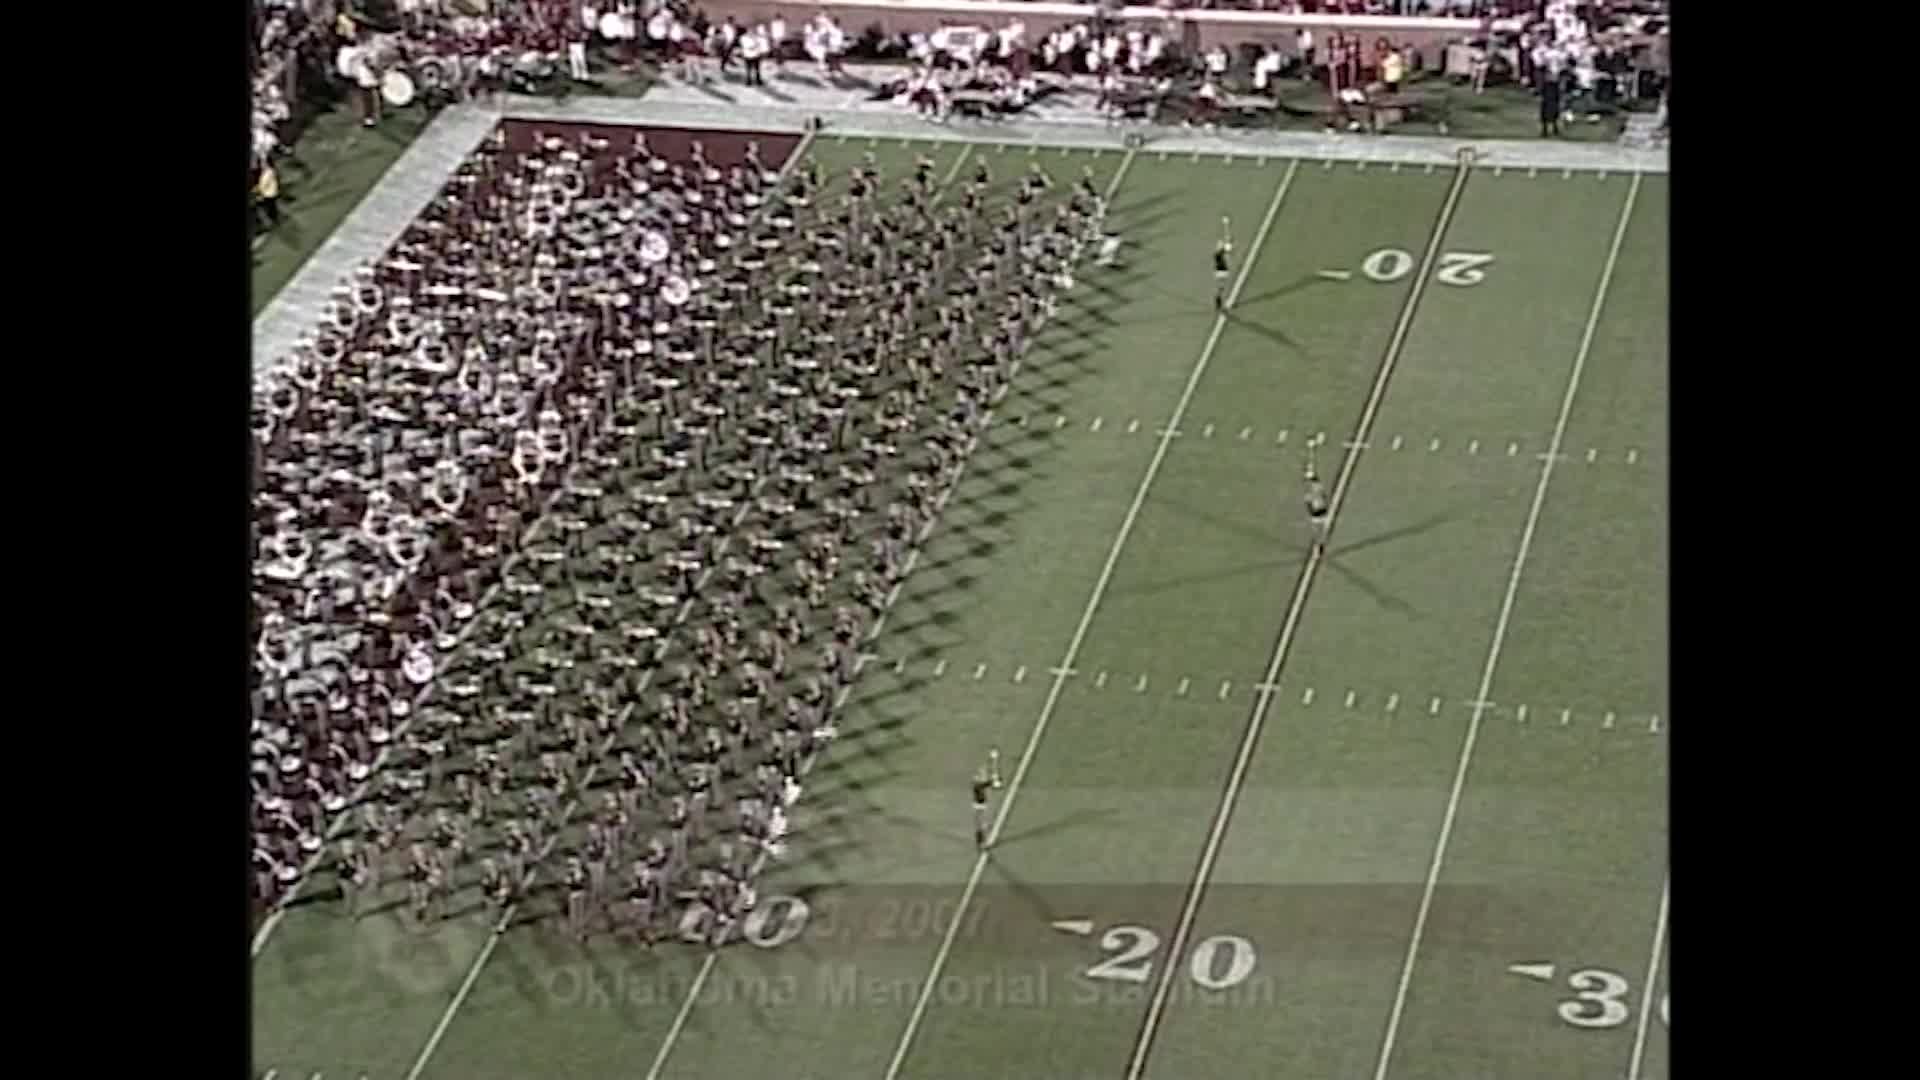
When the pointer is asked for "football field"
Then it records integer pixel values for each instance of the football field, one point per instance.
(1397, 810)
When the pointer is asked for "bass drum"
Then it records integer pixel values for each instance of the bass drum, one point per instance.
(397, 89)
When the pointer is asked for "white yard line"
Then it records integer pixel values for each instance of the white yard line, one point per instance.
(893, 595)
(1653, 978)
(1080, 632)
(1183, 927)
(1500, 636)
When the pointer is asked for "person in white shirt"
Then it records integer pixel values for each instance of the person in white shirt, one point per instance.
(777, 44)
(1303, 43)
(753, 50)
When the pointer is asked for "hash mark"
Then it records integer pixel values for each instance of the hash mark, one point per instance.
(1182, 691)
(1096, 423)
(1282, 440)
(1532, 172)
(1063, 672)
(1359, 166)
(1433, 447)
(1207, 432)
(1020, 673)
(1395, 167)
(1429, 167)
(1327, 164)
(1566, 717)
(1633, 457)
(1163, 155)
(1393, 702)
(900, 665)
(1433, 707)
(980, 672)
(1167, 433)
(1497, 170)
(1397, 441)
(1592, 455)
(1225, 689)
(1520, 714)
(1473, 446)
(1133, 427)
(1100, 680)
(1307, 698)
(1566, 174)
(1653, 724)
(1607, 722)
(1059, 421)
(1513, 448)
(1337, 275)
(1141, 686)
(940, 668)
(1350, 696)
(1246, 433)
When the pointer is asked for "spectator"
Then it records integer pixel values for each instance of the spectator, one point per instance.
(266, 194)
(1393, 68)
(1549, 104)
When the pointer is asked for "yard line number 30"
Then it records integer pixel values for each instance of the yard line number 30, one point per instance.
(1600, 1000)
(1220, 962)
(1456, 267)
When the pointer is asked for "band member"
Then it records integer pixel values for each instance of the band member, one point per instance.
(576, 884)
(356, 874)
(982, 788)
(1319, 512)
(1222, 258)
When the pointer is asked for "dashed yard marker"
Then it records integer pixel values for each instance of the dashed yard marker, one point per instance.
(1082, 927)
(1182, 691)
(1020, 674)
(940, 668)
(1097, 421)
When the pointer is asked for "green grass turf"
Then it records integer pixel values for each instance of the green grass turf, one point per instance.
(1557, 850)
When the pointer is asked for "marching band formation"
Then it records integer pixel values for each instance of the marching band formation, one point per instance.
(573, 514)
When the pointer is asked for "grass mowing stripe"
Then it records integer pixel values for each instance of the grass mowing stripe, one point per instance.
(1653, 976)
(1086, 617)
(1500, 635)
(1289, 628)
(913, 557)
(585, 781)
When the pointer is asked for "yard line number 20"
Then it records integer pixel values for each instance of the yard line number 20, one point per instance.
(1220, 962)
(1456, 267)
